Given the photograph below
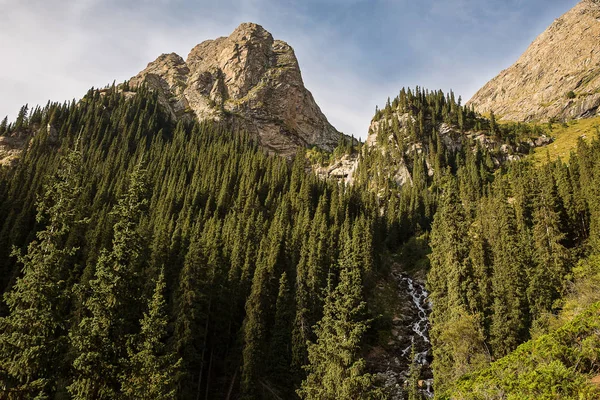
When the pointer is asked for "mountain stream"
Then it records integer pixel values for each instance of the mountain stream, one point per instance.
(412, 327)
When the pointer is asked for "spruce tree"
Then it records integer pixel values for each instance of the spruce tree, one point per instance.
(151, 368)
(33, 337)
(3, 126)
(510, 318)
(547, 277)
(21, 121)
(493, 124)
(335, 370)
(191, 318)
(301, 326)
(450, 274)
(100, 339)
(449, 280)
(414, 375)
(281, 341)
(260, 308)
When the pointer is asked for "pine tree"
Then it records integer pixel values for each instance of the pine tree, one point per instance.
(21, 121)
(280, 347)
(191, 319)
(99, 340)
(301, 325)
(335, 370)
(259, 306)
(493, 124)
(414, 375)
(4, 126)
(480, 292)
(450, 281)
(547, 277)
(449, 275)
(510, 318)
(33, 336)
(151, 369)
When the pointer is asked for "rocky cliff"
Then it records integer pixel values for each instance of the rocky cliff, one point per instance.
(558, 77)
(249, 80)
(390, 154)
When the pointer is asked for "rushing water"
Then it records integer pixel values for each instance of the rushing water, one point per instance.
(412, 328)
(420, 326)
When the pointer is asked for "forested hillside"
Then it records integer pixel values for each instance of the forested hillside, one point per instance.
(147, 258)
(502, 264)
(508, 238)
(175, 261)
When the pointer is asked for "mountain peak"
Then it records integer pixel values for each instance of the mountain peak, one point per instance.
(249, 80)
(558, 76)
(250, 29)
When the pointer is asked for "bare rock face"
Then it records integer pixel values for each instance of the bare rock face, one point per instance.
(341, 170)
(557, 77)
(248, 79)
(396, 152)
(13, 143)
(11, 148)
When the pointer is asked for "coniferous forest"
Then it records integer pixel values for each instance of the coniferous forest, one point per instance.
(146, 258)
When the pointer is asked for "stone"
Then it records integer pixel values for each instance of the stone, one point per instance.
(452, 138)
(558, 76)
(341, 170)
(248, 80)
(11, 146)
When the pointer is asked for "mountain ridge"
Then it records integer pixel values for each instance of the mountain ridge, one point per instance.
(248, 79)
(556, 78)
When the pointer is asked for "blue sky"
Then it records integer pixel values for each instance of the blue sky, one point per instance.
(353, 53)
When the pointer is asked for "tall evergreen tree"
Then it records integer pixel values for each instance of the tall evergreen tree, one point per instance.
(281, 340)
(3, 126)
(259, 306)
(33, 337)
(21, 121)
(450, 280)
(100, 338)
(510, 319)
(335, 369)
(449, 275)
(414, 376)
(151, 368)
(547, 277)
(191, 318)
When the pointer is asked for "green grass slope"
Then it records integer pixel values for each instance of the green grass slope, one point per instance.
(559, 365)
(566, 137)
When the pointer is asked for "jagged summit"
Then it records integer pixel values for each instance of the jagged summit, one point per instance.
(248, 79)
(558, 76)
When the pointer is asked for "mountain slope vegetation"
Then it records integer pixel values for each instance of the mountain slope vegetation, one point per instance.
(187, 232)
(137, 248)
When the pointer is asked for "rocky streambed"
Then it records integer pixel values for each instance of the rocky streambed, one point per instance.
(391, 361)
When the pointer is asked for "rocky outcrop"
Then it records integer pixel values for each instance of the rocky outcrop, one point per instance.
(11, 148)
(249, 80)
(13, 143)
(341, 170)
(558, 77)
(397, 150)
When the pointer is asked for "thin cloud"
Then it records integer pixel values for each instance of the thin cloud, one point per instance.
(353, 54)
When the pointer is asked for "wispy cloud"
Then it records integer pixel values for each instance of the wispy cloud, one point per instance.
(353, 53)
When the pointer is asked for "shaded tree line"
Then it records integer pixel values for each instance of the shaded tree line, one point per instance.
(174, 260)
